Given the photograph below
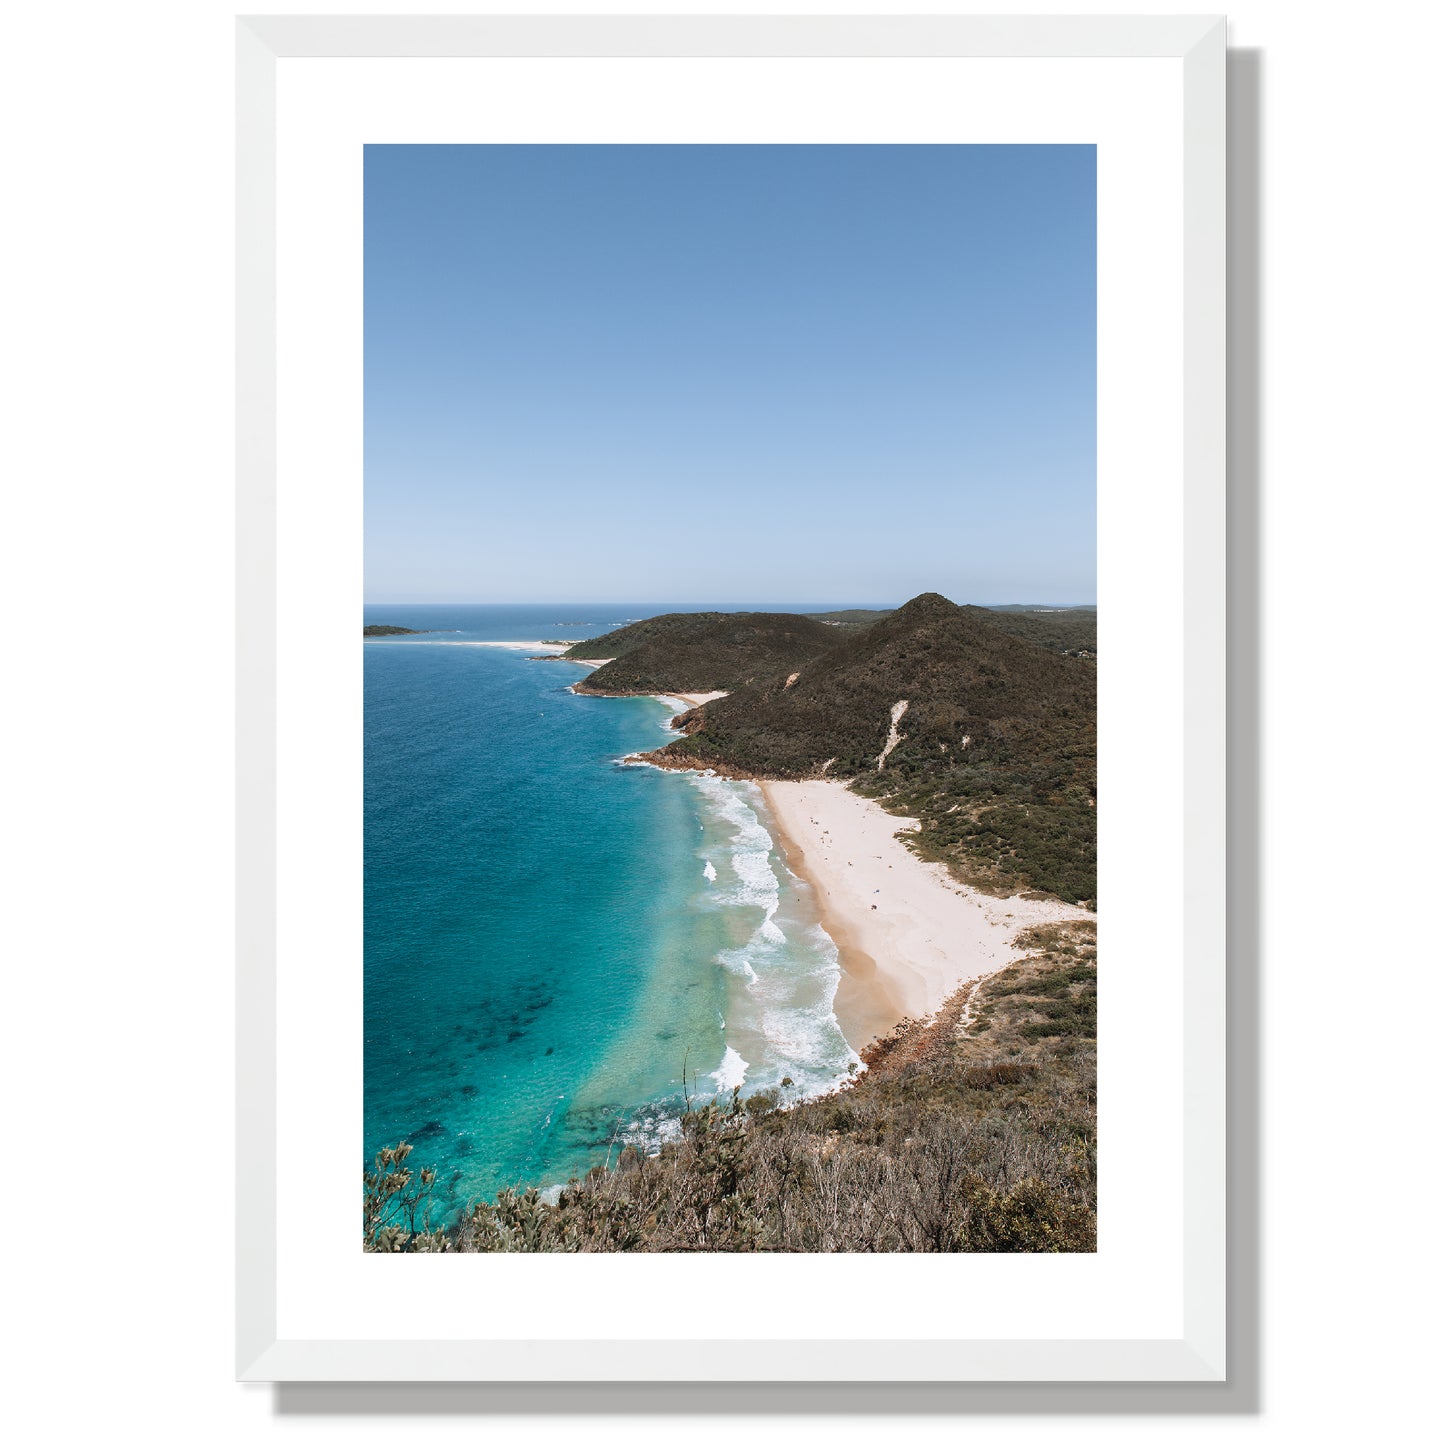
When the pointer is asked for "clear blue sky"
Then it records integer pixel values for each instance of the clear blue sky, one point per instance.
(729, 373)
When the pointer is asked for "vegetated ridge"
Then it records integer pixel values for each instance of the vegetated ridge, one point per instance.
(702, 651)
(379, 629)
(1061, 629)
(994, 752)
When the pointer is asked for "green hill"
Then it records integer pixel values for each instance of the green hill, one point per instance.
(995, 749)
(1063, 629)
(702, 651)
(732, 643)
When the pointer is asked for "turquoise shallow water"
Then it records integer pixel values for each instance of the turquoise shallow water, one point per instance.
(552, 937)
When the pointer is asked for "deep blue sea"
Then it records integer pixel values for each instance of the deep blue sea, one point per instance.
(553, 937)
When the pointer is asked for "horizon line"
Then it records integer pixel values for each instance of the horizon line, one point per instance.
(695, 602)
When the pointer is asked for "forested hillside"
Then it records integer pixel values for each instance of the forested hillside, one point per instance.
(702, 651)
(954, 715)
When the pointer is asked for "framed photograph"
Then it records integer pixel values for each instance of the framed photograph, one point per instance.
(731, 855)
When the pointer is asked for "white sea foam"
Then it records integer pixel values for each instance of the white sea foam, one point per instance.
(748, 852)
(757, 884)
(736, 960)
(775, 1019)
(731, 1072)
(788, 967)
(649, 1129)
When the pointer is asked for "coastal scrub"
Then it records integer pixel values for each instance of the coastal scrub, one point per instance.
(970, 1132)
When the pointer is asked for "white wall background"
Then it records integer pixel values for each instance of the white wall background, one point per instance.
(117, 615)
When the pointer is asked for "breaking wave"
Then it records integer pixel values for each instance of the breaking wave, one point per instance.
(780, 1013)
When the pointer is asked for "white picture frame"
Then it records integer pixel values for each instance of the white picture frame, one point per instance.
(1196, 1351)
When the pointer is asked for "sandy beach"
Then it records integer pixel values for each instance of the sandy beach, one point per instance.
(686, 700)
(908, 935)
(551, 649)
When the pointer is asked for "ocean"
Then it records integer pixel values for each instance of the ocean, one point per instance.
(562, 950)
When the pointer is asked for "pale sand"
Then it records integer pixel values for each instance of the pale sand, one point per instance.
(688, 699)
(908, 935)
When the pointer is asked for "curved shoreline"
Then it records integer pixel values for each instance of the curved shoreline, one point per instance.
(908, 934)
